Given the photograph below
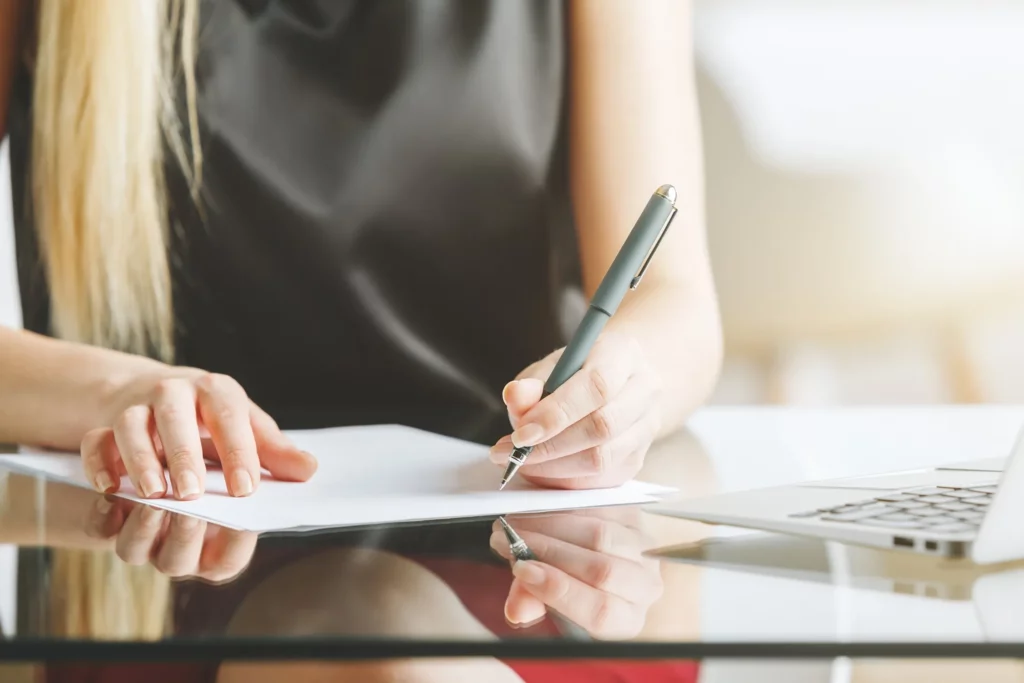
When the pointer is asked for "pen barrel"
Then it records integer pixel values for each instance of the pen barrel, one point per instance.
(578, 349)
(631, 256)
(613, 288)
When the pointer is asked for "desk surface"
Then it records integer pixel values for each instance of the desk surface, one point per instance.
(439, 589)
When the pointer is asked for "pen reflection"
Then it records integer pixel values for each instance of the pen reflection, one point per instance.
(590, 571)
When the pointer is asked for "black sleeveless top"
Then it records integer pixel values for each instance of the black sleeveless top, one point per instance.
(386, 234)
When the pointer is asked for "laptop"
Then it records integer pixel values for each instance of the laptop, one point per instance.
(972, 509)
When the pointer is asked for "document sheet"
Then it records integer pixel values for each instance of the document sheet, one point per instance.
(378, 474)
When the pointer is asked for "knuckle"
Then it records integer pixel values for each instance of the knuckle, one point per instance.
(559, 587)
(130, 417)
(234, 457)
(601, 573)
(167, 411)
(600, 459)
(599, 384)
(216, 383)
(166, 388)
(230, 413)
(92, 440)
(141, 458)
(601, 616)
(601, 540)
(172, 567)
(179, 457)
(561, 416)
(602, 425)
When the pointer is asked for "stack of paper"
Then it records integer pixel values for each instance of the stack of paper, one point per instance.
(377, 474)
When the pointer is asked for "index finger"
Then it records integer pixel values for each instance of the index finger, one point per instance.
(586, 391)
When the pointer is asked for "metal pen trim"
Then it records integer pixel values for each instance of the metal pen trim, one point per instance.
(654, 247)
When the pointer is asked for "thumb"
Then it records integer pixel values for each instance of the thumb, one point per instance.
(277, 453)
(521, 395)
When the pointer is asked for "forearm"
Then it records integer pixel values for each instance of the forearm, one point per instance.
(636, 126)
(34, 512)
(53, 392)
(680, 335)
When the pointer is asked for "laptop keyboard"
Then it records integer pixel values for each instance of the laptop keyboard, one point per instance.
(937, 509)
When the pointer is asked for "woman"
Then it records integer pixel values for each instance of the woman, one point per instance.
(242, 216)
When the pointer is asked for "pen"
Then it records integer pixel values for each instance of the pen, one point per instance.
(625, 274)
(521, 551)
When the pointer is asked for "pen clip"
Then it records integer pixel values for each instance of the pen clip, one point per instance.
(654, 247)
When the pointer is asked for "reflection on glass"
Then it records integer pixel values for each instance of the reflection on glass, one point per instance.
(111, 561)
(590, 569)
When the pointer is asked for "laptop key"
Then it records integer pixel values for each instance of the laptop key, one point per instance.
(926, 512)
(984, 489)
(962, 493)
(856, 516)
(928, 491)
(936, 521)
(954, 507)
(909, 505)
(969, 516)
(897, 517)
(809, 513)
(935, 499)
(895, 497)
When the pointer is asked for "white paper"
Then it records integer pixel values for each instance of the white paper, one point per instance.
(378, 474)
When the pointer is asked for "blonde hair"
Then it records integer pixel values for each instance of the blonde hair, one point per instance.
(104, 108)
(96, 595)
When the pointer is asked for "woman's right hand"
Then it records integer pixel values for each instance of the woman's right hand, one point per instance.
(176, 424)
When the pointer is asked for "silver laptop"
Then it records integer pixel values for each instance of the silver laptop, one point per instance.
(972, 509)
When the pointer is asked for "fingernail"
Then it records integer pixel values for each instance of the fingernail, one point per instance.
(528, 572)
(528, 435)
(504, 392)
(152, 485)
(188, 485)
(103, 482)
(242, 483)
(508, 613)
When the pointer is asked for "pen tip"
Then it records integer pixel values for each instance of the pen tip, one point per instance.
(502, 484)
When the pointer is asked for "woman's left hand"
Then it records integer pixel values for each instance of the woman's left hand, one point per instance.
(595, 429)
(177, 545)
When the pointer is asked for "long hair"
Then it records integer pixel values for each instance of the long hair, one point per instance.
(105, 110)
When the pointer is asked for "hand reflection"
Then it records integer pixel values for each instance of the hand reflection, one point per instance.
(590, 569)
(175, 544)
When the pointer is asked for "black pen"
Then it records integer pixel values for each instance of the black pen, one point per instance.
(625, 274)
(521, 551)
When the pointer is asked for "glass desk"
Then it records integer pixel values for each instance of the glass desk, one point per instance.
(103, 579)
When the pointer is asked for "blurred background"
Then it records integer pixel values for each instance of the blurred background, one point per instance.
(865, 191)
